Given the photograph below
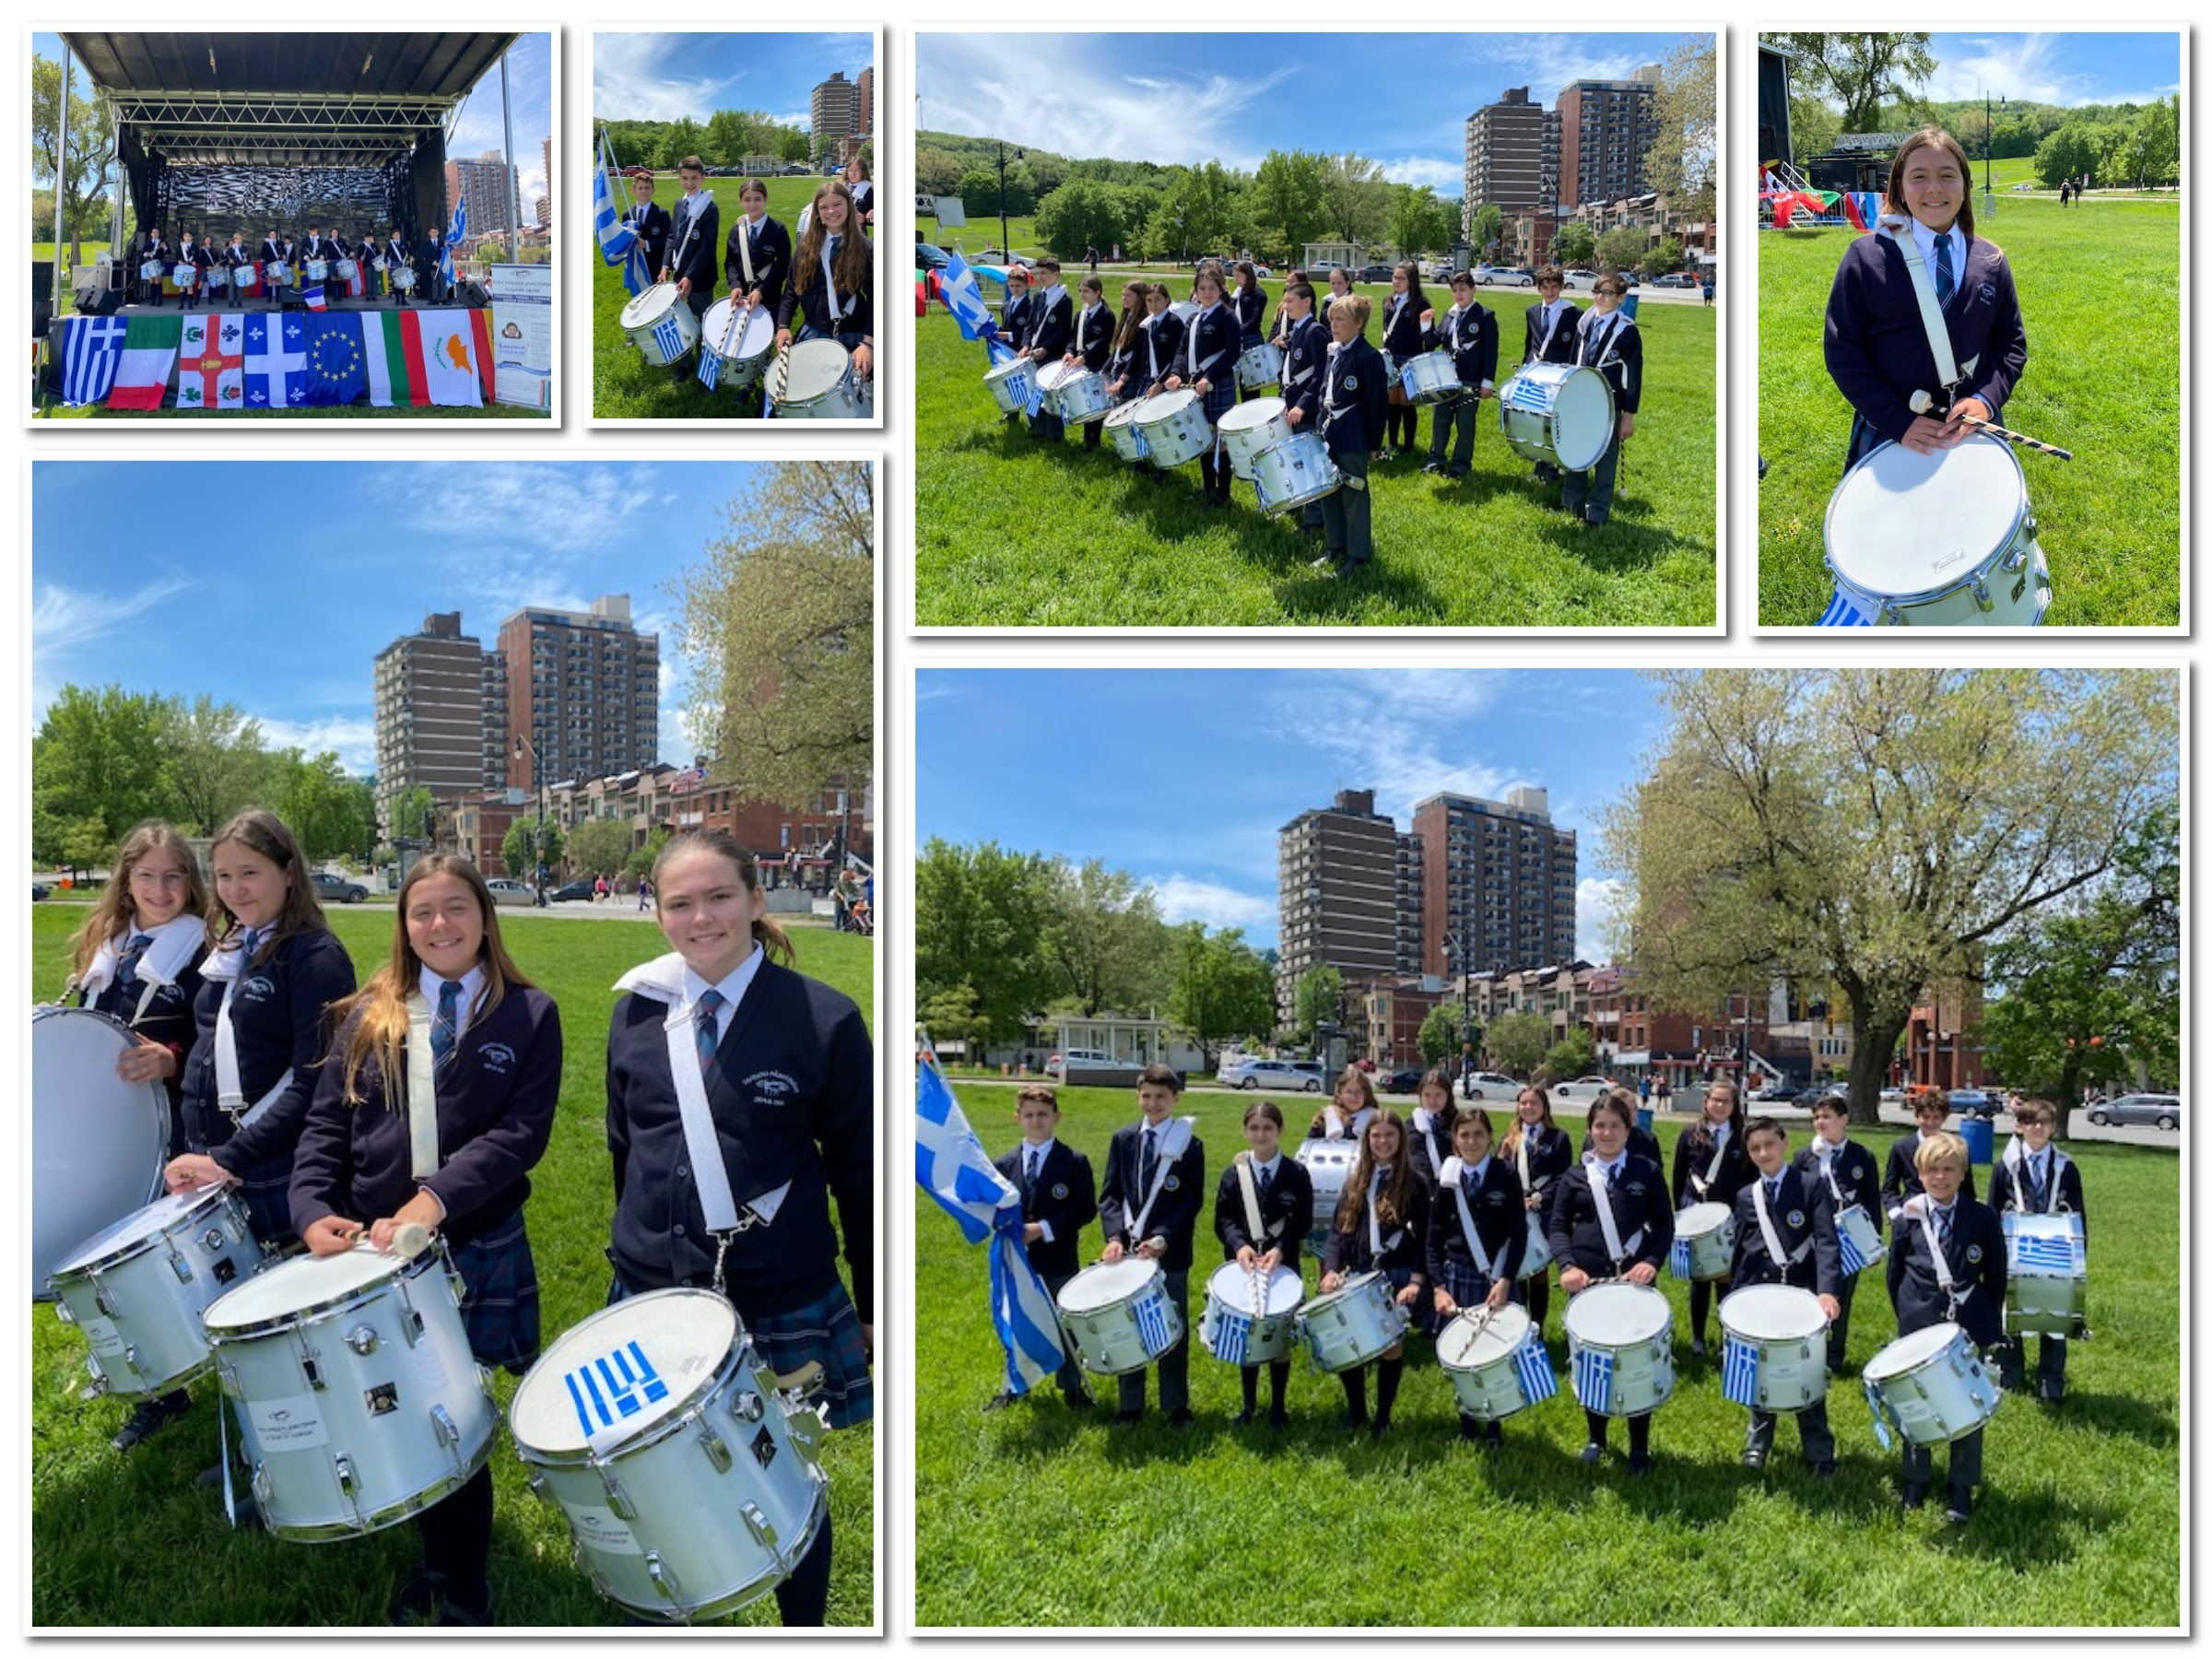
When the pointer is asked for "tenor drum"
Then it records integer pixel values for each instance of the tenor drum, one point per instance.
(1430, 378)
(658, 322)
(1012, 385)
(348, 269)
(1122, 432)
(1931, 1386)
(1250, 1319)
(379, 264)
(691, 1483)
(1557, 412)
(1175, 428)
(1250, 427)
(1496, 1361)
(1946, 540)
(95, 1141)
(814, 380)
(1773, 1348)
(1118, 1315)
(1076, 394)
(1537, 1256)
(361, 1400)
(153, 270)
(1704, 1241)
(186, 274)
(2046, 1275)
(751, 342)
(1329, 1165)
(1353, 1323)
(1858, 1240)
(1620, 1350)
(318, 269)
(1294, 471)
(1260, 365)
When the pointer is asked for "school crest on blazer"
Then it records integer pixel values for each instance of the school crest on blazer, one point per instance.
(1973, 1252)
(496, 1058)
(1059, 1189)
(256, 987)
(1796, 1219)
(773, 1083)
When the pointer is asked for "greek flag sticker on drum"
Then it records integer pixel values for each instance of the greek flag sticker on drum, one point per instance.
(1593, 1379)
(1881, 1423)
(668, 337)
(1739, 1373)
(1533, 1368)
(1152, 1323)
(1235, 1333)
(1677, 1259)
(1848, 1251)
(619, 1378)
(2044, 1253)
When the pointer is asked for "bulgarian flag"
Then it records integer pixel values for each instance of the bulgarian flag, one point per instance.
(429, 357)
(149, 360)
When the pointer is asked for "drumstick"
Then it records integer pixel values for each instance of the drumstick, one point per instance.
(410, 1239)
(1921, 403)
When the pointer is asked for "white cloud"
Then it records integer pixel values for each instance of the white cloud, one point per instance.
(2024, 68)
(639, 77)
(64, 621)
(1187, 899)
(1395, 732)
(1446, 175)
(1600, 903)
(1544, 63)
(353, 737)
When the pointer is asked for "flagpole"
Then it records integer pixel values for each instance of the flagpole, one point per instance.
(514, 208)
(61, 173)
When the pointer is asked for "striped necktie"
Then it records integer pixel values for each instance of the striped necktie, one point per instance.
(127, 971)
(1148, 1165)
(444, 1028)
(1036, 1163)
(706, 1025)
(1945, 283)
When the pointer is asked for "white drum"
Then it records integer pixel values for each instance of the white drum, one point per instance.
(361, 1400)
(348, 269)
(1012, 385)
(318, 269)
(379, 264)
(1074, 394)
(1175, 428)
(1858, 1240)
(95, 1141)
(691, 1483)
(1329, 1165)
(745, 347)
(1537, 1256)
(1430, 378)
(814, 380)
(218, 280)
(1186, 309)
(1620, 1349)
(1252, 426)
(2046, 1274)
(658, 322)
(137, 1289)
(403, 280)
(1931, 1386)
(1353, 1323)
(1122, 432)
(186, 274)
(1260, 365)
(1496, 1361)
(1294, 471)
(1945, 540)
(1118, 1317)
(1704, 1241)
(153, 270)
(1557, 412)
(1250, 1319)
(1773, 1348)
(280, 275)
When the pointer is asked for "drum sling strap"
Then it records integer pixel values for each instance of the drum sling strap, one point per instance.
(1422, 1125)
(1375, 1245)
(1618, 1248)
(422, 1090)
(1771, 1237)
(1944, 1276)
(1454, 1173)
(711, 1175)
(1712, 1171)
(1174, 1136)
(1948, 368)
(230, 1091)
(1251, 1199)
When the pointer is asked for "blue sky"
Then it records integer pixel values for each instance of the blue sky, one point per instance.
(1111, 764)
(2058, 68)
(322, 564)
(661, 77)
(1401, 100)
(481, 126)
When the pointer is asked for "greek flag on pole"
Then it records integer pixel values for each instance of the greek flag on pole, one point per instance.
(1739, 1371)
(452, 237)
(2041, 1252)
(1677, 1259)
(1881, 1424)
(1533, 1366)
(1593, 1379)
(619, 244)
(951, 1166)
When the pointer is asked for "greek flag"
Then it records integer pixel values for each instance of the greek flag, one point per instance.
(614, 1386)
(1880, 1413)
(669, 338)
(709, 374)
(1152, 1326)
(1593, 1379)
(1533, 1366)
(1847, 1248)
(619, 244)
(1232, 1332)
(2040, 1253)
(951, 1166)
(1843, 613)
(458, 230)
(1677, 1259)
(1739, 1373)
(91, 352)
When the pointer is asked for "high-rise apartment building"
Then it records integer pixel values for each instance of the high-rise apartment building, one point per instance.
(1498, 881)
(1512, 156)
(583, 687)
(486, 182)
(1338, 877)
(834, 115)
(1606, 129)
(864, 109)
(431, 714)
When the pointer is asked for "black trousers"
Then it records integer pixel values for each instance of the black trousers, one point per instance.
(1174, 1365)
(1965, 1460)
(1813, 1433)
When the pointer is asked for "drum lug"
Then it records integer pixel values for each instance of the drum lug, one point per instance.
(617, 1498)
(717, 1451)
(663, 1575)
(361, 1340)
(410, 1320)
(1889, 616)
(312, 1371)
(448, 1431)
(348, 1482)
(1982, 599)
(61, 1311)
(806, 1427)
(748, 1406)
(213, 1241)
(104, 1302)
(260, 1484)
(757, 1525)
(180, 1266)
(537, 1483)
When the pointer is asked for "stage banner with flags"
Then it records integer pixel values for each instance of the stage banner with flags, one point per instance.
(952, 1167)
(91, 351)
(211, 365)
(276, 361)
(149, 360)
(336, 372)
(427, 357)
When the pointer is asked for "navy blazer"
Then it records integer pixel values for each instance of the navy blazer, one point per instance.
(1876, 345)
(280, 1017)
(275, 251)
(651, 225)
(1174, 1214)
(1801, 1213)
(1217, 349)
(1064, 1196)
(1127, 363)
(1639, 1203)
(1561, 348)
(1355, 399)
(1501, 1222)
(1305, 360)
(1620, 360)
(1250, 308)
(1346, 1250)
(2005, 1194)
(1976, 1254)
(1401, 333)
(1694, 1157)
(1166, 346)
(1471, 336)
(812, 301)
(1055, 327)
(771, 249)
(1856, 1176)
(170, 1018)
(318, 247)
(793, 1092)
(1093, 336)
(695, 253)
(1550, 1156)
(1285, 1214)
(496, 1096)
(1900, 1178)
(1015, 322)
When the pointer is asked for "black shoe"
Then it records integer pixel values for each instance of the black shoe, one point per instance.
(1639, 1464)
(420, 1599)
(1755, 1457)
(1242, 1419)
(1128, 1417)
(1380, 1427)
(1594, 518)
(1825, 1471)
(1593, 1452)
(1326, 565)
(1459, 472)
(1080, 1401)
(1181, 1418)
(1433, 467)
(1912, 1495)
(2050, 1390)
(1697, 1348)
(1961, 1509)
(453, 1613)
(1493, 1435)
(999, 1401)
(1353, 1420)
(1469, 1429)
(1547, 473)
(1277, 1418)
(145, 1423)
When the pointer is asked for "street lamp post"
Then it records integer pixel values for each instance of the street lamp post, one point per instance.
(1004, 239)
(1988, 180)
(537, 850)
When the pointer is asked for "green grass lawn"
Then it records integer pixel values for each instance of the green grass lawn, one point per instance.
(624, 385)
(2100, 296)
(99, 1520)
(1012, 533)
(2079, 1522)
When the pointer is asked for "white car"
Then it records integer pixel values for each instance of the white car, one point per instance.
(1488, 1085)
(506, 889)
(1299, 1077)
(1504, 276)
(1581, 1092)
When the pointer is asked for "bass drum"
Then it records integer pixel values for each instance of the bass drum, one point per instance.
(96, 1142)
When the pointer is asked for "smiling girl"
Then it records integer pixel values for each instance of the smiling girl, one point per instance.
(1381, 1226)
(832, 281)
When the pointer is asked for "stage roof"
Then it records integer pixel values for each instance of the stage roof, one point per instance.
(284, 98)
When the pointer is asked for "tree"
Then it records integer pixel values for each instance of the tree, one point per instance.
(1862, 72)
(215, 763)
(598, 847)
(979, 914)
(780, 618)
(791, 145)
(1483, 233)
(951, 1017)
(1620, 249)
(979, 191)
(323, 806)
(1439, 1036)
(1103, 938)
(520, 848)
(1081, 213)
(1516, 1042)
(1574, 245)
(1315, 1001)
(639, 865)
(1420, 223)
(937, 172)
(1284, 201)
(1879, 829)
(411, 815)
(1664, 256)
(98, 757)
(91, 150)
(1814, 125)
(1574, 1055)
(1223, 988)
(1681, 161)
(2066, 154)
(683, 138)
(1355, 197)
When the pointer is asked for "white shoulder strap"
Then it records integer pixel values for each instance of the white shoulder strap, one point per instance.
(1924, 290)
(422, 1090)
(712, 1175)
(1252, 1226)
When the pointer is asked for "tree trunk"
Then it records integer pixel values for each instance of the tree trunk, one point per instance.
(1874, 1040)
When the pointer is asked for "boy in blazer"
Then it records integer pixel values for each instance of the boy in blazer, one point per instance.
(1847, 1170)
(647, 219)
(1355, 402)
(1469, 333)
(1058, 1198)
(1611, 344)
(1148, 1206)
(694, 240)
(1017, 318)
(1900, 1175)
(1282, 1193)
(2036, 1178)
(1054, 327)
(1786, 1207)
(1092, 345)
(1549, 331)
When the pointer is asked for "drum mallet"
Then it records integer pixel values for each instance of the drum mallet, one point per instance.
(1921, 403)
(410, 1239)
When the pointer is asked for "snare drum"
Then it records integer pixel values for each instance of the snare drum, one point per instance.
(1294, 471)
(1559, 413)
(1250, 1320)
(380, 265)
(1118, 1317)
(1430, 378)
(348, 269)
(692, 1485)
(279, 276)
(153, 270)
(1353, 1323)
(814, 380)
(751, 342)
(186, 274)
(1012, 385)
(218, 280)
(1329, 1165)
(1175, 428)
(658, 322)
(139, 1288)
(1945, 540)
(2046, 1274)
(96, 1142)
(1251, 428)
(1260, 365)
(317, 269)
(403, 280)
(1773, 1348)
(1704, 1241)
(1858, 1239)
(1931, 1385)
(361, 1400)
(1122, 432)
(1496, 1361)
(1077, 395)
(1537, 1256)
(1620, 1350)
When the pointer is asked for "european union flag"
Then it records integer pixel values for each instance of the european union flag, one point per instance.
(337, 371)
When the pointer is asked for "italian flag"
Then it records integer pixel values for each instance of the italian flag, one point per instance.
(429, 357)
(149, 360)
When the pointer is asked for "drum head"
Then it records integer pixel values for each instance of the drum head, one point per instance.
(756, 334)
(1165, 405)
(1106, 1284)
(1910, 1351)
(95, 1141)
(301, 1283)
(1902, 524)
(161, 1214)
(1462, 1346)
(681, 1336)
(1012, 369)
(1351, 1286)
(1582, 418)
(815, 368)
(1052, 375)
(1256, 412)
(1232, 1284)
(1700, 1218)
(639, 313)
(1124, 416)
(1617, 1315)
(1768, 1312)
(715, 323)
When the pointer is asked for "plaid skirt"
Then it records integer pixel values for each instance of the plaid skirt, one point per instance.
(1465, 1284)
(1221, 399)
(500, 1302)
(825, 1332)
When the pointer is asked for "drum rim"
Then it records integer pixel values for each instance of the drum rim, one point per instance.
(730, 1601)
(1973, 573)
(1466, 1316)
(1155, 1276)
(1275, 1276)
(689, 1404)
(215, 1198)
(1762, 1337)
(1186, 393)
(1956, 1334)
(1356, 1282)
(1009, 369)
(698, 1401)
(1260, 423)
(329, 1308)
(1642, 1291)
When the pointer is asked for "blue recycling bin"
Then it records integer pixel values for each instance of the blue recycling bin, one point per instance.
(1980, 1137)
(1643, 1117)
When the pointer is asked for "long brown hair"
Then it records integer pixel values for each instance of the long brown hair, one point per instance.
(1124, 333)
(855, 253)
(113, 915)
(373, 1021)
(768, 933)
(1393, 1205)
(261, 831)
(1940, 138)
(1510, 1145)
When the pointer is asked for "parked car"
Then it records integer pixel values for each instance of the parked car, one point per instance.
(2162, 1109)
(1580, 278)
(1777, 1092)
(1438, 270)
(570, 889)
(506, 889)
(930, 257)
(1974, 1104)
(1405, 1080)
(1504, 276)
(1674, 279)
(1488, 1085)
(1581, 1092)
(336, 889)
(1893, 1096)
(1374, 273)
(798, 169)
(1299, 1077)
(37, 892)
